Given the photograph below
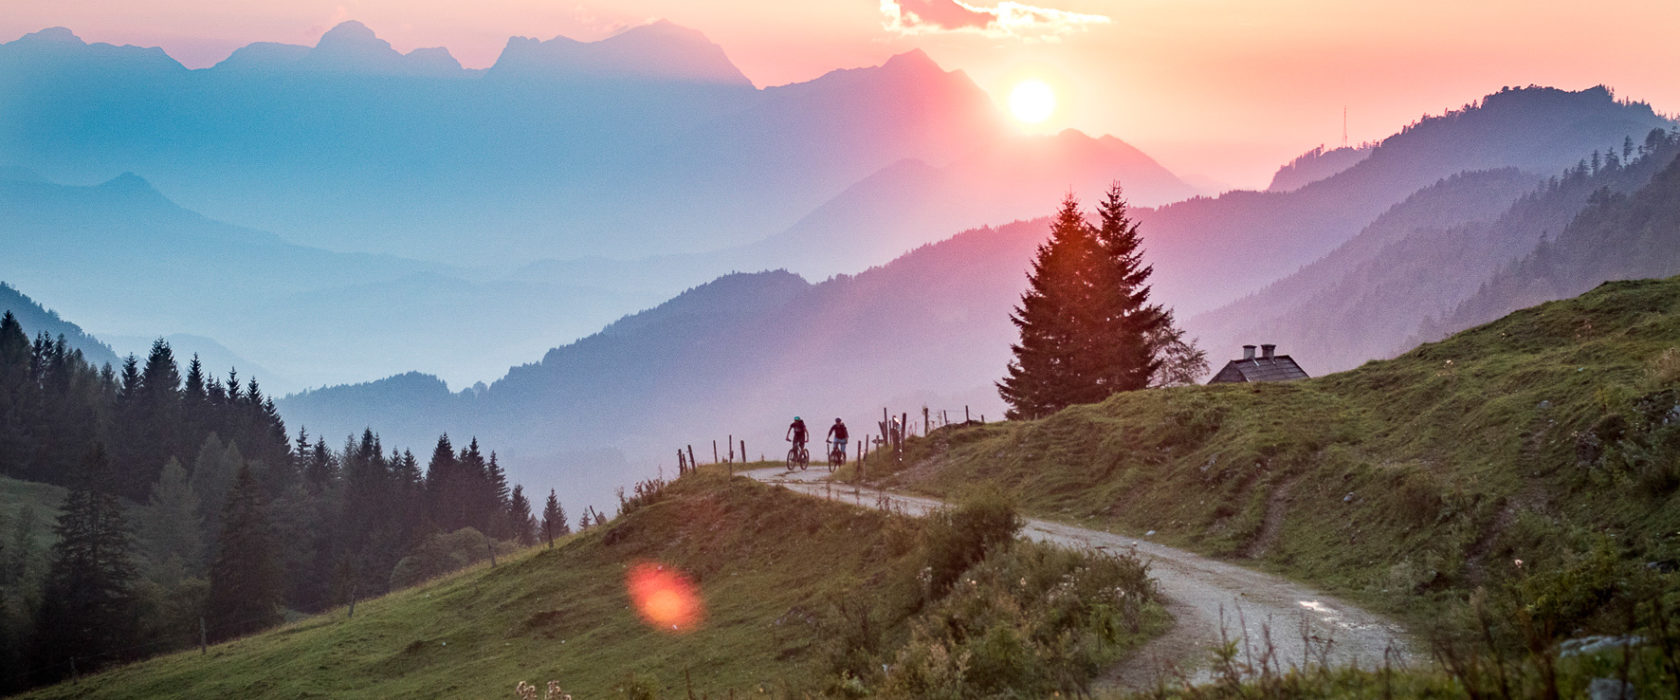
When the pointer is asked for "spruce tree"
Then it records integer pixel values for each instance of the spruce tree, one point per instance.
(171, 528)
(1052, 368)
(554, 519)
(1087, 327)
(88, 607)
(245, 591)
(496, 500)
(17, 397)
(1128, 326)
(520, 519)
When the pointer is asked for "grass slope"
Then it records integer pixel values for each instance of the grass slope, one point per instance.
(772, 568)
(1551, 436)
(40, 500)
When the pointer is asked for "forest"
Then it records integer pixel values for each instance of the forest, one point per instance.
(192, 515)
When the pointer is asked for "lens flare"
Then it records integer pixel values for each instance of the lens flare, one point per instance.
(664, 598)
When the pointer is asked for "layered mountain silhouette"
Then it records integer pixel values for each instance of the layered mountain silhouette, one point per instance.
(1621, 233)
(37, 319)
(1411, 275)
(742, 354)
(124, 260)
(1211, 251)
(647, 141)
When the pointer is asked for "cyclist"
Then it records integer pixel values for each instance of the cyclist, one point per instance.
(837, 438)
(797, 434)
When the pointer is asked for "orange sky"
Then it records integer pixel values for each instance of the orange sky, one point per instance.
(1220, 89)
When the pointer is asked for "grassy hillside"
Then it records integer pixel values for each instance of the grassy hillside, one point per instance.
(799, 596)
(1539, 453)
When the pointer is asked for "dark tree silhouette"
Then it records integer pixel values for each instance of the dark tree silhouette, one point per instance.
(1125, 343)
(245, 590)
(88, 607)
(519, 517)
(1087, 327)
(554, 519)
(1050, 369)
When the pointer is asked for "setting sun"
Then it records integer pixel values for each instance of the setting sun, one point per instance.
(1032, 101)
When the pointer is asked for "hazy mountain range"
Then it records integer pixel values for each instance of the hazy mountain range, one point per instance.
(394, 215)
(649, 141)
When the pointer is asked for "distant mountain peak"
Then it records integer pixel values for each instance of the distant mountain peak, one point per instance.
(351, 32)
(660, 51)
(915, 60)
(129, 182)
(52, 35)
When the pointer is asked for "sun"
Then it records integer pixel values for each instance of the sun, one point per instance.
(1032, 101)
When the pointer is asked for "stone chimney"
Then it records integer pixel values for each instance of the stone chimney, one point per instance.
(1248, 352)
(1267, 350)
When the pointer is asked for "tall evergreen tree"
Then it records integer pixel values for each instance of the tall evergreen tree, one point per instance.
(88, 612)
(245, 580)
(1051, 369)
(496, 499)
(17, 397)
(1087, 327)
(1128, 326)
(554, 519)
(171, 528)
(441, 480)
(524, 525)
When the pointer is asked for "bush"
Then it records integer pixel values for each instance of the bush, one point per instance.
(1027, 622)
(957, 538)
(443, 553)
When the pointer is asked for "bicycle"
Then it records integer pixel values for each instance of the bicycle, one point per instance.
(836, 456)
(798, 456)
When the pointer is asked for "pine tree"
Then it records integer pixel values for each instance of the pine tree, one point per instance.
(441, 485)
(1087, 327)
(496, 500)
(244, 577)
(1055, 317)
(17, 398)
(1128, 326)
(554, 519)
(171, 528)
(88, 608)
(524, 525)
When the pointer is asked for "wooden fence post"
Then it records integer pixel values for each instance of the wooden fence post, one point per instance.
(731, 448)
(693, 466)
(715, 459)
(743, 450)
(926, 426)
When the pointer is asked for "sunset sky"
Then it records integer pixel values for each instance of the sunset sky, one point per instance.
(1215, 89)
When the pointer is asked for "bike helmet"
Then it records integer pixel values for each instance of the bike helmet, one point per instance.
(837, 420)
(797, 419)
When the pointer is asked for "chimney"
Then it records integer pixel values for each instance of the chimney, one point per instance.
(1248, 352)
(1267, 350)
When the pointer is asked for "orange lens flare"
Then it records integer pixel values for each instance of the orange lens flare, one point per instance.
(664, 598)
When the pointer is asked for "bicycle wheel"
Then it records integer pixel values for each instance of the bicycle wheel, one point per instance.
(804, 459)
(792, 458)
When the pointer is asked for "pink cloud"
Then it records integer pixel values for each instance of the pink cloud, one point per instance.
(1006, 19)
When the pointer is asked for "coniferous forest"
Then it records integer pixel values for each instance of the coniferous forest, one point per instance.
(192, 514)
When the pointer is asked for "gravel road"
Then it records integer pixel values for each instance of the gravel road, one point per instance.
(1204, 595)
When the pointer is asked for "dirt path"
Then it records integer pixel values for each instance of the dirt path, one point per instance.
(1204, 596)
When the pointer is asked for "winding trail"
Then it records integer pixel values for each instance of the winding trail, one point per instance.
(1258, 611)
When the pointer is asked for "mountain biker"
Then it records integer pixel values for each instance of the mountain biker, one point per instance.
(837, 437)
(796, 432)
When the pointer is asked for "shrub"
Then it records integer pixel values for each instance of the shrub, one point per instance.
(954, 539)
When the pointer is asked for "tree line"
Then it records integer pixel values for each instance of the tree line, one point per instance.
(192, 515)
